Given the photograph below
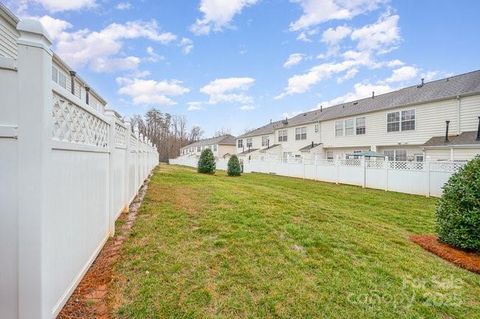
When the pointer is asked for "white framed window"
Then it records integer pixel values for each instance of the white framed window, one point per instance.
(418, 157)
(282, 135)
(339, 128)
(215, 147)
(349, 127)
(301, 133)
(396, 155)
(249, 143)
(401, 121)
(59, 77)
(408, 120)
(199, 148)
(240, 143)
(317, 128)
(393, 122)
(265, 140)
(329, 155)
(360, 126)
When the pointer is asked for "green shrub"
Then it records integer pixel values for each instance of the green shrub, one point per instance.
(234, 168)
(458, 211)
(206, 163)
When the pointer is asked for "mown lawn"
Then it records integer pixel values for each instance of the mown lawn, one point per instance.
(260, 246)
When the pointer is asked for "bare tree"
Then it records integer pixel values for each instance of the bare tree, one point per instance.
(167, 132)
(222, 131)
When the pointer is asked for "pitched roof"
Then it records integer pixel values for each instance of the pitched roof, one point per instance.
(309, 147)
(462, 84)
(465, 138)
(248, 151)
(262, 130)
(220, 140)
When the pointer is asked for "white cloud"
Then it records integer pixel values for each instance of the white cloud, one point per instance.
(66, 5)
(55, 27)
(195, 106)
(123, 6)
(228, 90)
(218, 14)
(108, 65)
(95, 48)
(187, 45)
(404, 73)
(150, 91)
(319, 11)
(360, 91)
(153, 56)
(332, 36)
(247, 107)
(293, 59)
(381, 36)
(350, 74)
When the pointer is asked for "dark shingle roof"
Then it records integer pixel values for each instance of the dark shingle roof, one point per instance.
(309, 147)
(463, 84)
(248, 151)
(465, 138)
(220, 140)
(262, 130)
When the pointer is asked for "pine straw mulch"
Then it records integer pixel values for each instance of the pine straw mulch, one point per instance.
(461, 258)
(89, 300)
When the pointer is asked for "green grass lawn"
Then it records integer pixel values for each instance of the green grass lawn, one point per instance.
(269, 246)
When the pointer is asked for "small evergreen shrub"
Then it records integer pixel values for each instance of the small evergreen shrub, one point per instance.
(206, 163)
(458, 211)
(234, 168)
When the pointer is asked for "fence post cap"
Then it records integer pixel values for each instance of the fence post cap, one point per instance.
(33, 33)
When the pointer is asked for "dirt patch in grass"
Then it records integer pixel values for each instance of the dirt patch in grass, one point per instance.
(464, 259)
(89, 300)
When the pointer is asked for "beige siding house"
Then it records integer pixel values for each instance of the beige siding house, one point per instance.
(407, 124)
(221, 146)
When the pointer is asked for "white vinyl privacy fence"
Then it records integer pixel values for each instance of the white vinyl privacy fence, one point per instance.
(421, 178)
(67, 171)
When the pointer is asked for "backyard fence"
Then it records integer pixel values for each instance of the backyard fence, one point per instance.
(421, 178)
(67, 171)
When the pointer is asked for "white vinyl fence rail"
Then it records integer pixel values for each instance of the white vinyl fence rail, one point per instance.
(66, 171)
(421, 178)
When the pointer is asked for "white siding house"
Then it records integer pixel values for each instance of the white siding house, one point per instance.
(398, 124)
(221, 146)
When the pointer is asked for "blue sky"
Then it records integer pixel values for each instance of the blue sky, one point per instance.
(236, 64)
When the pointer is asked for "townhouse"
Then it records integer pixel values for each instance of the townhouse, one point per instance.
(221, 146)
(438, 120)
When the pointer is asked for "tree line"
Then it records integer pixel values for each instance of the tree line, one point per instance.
(167, 132)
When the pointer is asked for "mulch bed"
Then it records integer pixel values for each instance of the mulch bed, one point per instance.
(89, 300)
(461, 258)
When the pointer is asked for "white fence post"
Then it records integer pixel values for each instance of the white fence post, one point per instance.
(428, 177)
(127, 165)
(34, 135)
(387, 166)
(111, 146)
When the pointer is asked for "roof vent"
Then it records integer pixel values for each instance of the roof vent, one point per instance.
(355, 103)
(421, 84)
(305, 114)
(321, 108)
(285, 121)
(373, 94)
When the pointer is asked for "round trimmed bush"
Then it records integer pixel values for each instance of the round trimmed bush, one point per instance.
(206, 163)
(234, 168)
(458, 211)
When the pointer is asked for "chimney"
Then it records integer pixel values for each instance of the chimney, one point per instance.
(373, 94)
(446, 131)
(321, 108)
(478, 129)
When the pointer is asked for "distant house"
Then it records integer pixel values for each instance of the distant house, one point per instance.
(437, 120)
(221, 146)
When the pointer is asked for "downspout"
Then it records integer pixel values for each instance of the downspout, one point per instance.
(459, 126)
